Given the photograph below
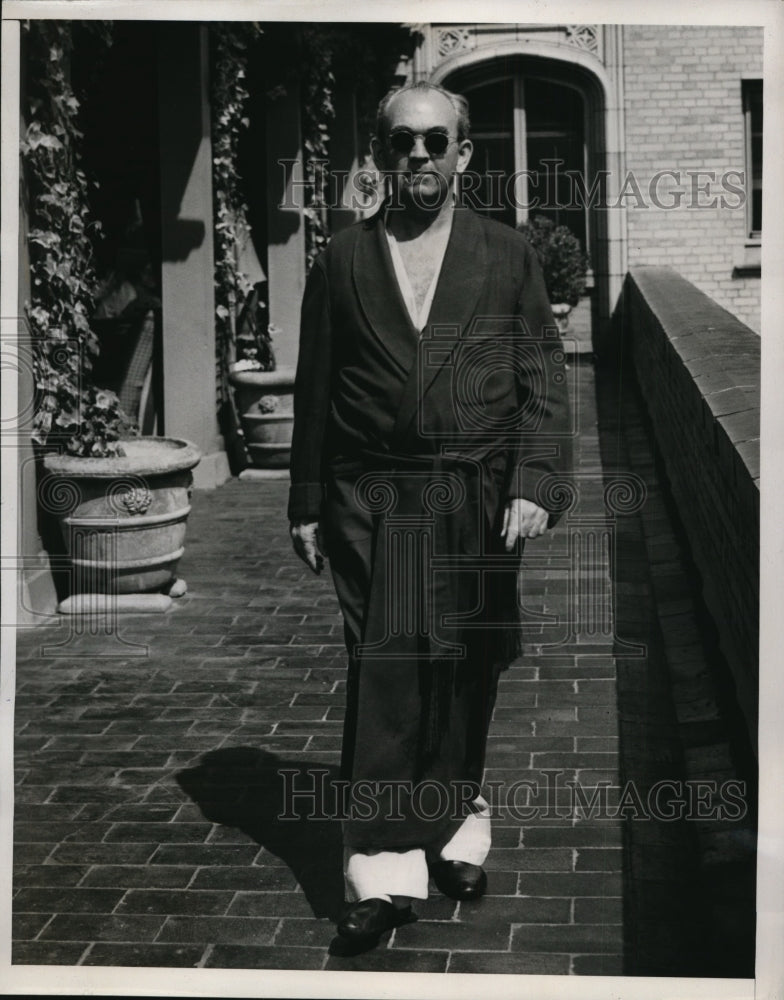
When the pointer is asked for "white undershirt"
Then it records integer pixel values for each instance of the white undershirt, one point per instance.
(418, 316)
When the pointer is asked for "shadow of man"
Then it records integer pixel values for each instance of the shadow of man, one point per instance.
(251, 790)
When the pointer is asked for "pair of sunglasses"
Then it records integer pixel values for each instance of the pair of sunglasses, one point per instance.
(403, 140)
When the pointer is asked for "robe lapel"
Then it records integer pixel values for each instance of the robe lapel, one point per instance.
(460, 283)
(379, 294)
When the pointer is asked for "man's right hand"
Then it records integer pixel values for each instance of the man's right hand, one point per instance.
(307, 544)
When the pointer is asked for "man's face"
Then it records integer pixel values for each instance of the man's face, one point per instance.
(426, 122)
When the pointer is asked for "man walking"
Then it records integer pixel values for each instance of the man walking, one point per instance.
(430, 406)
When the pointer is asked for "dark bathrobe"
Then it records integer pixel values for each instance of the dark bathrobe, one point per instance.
(406, 449)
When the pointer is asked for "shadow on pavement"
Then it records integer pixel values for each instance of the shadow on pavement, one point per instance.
(245, 788)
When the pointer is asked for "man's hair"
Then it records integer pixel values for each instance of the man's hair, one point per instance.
(458, 102)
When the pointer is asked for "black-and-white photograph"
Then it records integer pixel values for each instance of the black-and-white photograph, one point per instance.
(382, 408)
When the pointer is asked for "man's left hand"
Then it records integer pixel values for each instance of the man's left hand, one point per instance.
(522, 519)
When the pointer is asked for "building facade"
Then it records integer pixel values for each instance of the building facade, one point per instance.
(663, 122)
(645, 140)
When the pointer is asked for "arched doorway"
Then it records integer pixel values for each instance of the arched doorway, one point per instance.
(532, 130)
(545, 121)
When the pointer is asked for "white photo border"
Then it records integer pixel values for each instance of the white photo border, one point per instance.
(769, 982)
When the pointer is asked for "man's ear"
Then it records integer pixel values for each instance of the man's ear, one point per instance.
(465, 151)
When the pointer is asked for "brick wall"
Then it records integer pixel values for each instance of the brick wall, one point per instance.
(698, 368)
(684, 112)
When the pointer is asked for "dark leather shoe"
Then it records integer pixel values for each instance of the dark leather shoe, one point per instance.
(367, 920)
(459, 879)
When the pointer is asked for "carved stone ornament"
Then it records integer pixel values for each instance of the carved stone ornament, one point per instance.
(453, 40)
(136, 500)
(584, 36)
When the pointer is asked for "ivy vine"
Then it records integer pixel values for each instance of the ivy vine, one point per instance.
(70, 411)
(318, 114)
(231, 46)
(361, 59)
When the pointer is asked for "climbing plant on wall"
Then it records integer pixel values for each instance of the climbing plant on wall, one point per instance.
(231, 46)
(70, 411)
(318, 115)
(362, 59)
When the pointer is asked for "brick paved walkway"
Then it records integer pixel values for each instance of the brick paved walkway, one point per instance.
(149, 763)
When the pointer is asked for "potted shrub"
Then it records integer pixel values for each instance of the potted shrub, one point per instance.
(563, 263)
(122, 501)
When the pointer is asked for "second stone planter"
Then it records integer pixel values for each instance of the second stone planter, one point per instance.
(265, 401)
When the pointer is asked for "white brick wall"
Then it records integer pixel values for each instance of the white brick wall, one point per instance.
(683, 107)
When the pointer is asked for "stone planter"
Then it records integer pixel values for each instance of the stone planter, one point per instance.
(123, 519)
(265, 401)
(561, 312)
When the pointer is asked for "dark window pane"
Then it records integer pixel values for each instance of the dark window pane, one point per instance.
(550, 107)
(551, 158)
(752, 107)
(492, 106)
(756, 158)
(756, 211)
(491, 170)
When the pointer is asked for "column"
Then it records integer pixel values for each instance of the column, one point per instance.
(187, 273)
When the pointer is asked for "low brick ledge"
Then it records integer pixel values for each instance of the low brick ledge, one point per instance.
(698, 368)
